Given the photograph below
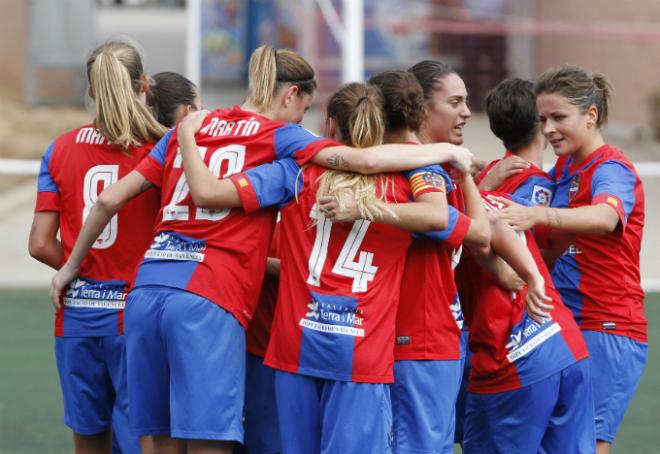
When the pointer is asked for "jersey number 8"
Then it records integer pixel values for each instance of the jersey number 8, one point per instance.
(106, 175)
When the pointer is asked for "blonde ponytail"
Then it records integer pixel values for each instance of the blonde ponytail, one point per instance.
(115, 71)
(270, 69)
(358, 111)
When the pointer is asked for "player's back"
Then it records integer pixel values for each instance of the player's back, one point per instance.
(339, 289)
(219, 254)
(76, 168)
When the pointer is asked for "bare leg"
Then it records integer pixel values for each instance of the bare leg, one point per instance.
(162, 444)
(602, 447)
(210, 447)
(100, 443)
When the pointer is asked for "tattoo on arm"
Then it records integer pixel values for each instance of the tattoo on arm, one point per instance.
(336, 161)
(146, 185)
(554, 218)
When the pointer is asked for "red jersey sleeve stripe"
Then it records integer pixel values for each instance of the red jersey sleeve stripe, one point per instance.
(47, 201)
(460, 230)
(151, 169)
(307, 154)
(246, 192)
(614, 202)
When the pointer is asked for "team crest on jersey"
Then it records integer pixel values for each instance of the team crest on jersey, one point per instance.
(541, 195)
(96, 295)
(435, 180)
(574, 188)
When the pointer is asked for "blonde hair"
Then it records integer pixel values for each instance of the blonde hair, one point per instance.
(358, 111)
(270, 69)
(114, 71)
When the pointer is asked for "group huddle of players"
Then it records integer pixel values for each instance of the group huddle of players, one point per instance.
(238, 278)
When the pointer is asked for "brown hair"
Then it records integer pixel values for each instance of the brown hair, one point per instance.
(358, 110)
(271, 69)
(168, 92)
(404, 99)
(429, 74)
(114, 71)
(581, 89)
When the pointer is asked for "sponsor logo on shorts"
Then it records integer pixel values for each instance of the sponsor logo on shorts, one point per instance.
(333, 318)
(96, 295)
(529, 335)
(171, 246)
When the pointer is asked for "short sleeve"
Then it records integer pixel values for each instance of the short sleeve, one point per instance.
(537, 190)
(427, 179)
(152, 166)
(454, 233)
(268, 184)
(614, 184)
(294, 141)
(48, 195)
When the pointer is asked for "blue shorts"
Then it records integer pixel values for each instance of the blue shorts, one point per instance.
(618, 364)
(549, 416)
(262, 431)
(93, 378)
(462, 392)
(327, 416)
(423, 405)
(186, 366)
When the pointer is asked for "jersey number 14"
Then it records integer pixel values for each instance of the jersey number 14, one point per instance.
(351, 262)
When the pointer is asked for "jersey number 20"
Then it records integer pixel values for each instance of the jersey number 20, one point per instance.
(234, 155)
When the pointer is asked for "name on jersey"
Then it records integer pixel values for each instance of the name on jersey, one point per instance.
(333, 318)
(91, 136)
(172, 246)
(528, 335)
(572, 250)
(221, 128)
(97, 295)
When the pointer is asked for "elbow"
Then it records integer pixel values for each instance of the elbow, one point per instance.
(202, 199)
(108, 202)
(440, 221)
(37, 249)
(367, 164)
(609, 227)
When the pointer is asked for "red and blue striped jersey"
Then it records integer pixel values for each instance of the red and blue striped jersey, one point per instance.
(74, 171)
(429, 319)
(218, 254)
(531, 184)
(509, 349)
(339, 282)
(599, 276)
